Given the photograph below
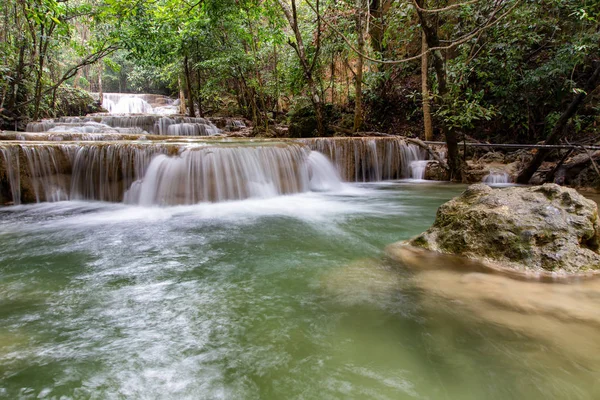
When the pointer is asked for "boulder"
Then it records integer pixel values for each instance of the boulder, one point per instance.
(474, 172)
(542, 229)
(435, 172)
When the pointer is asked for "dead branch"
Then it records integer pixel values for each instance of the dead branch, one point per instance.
(432, 153)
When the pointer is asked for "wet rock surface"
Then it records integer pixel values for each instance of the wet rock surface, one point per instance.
(435, 172)
(547, 229)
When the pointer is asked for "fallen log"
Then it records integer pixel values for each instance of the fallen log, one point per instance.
(432, 153)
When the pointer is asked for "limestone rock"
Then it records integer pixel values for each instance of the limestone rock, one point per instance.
(474, 172)
(542, 228)
(435, 172)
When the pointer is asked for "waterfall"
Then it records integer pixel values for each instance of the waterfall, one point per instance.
(222, 173)
(496, 178)
(129, 103)
(323, 175)
(234, 124)
(128, 124)
(418, 168)
(131, 114)
(159, 173)
(185, 126)
(105, 172)
(369, 159)
(12, 173)
(54, 166)
(71, 171)
(414, 161)
(132, 105)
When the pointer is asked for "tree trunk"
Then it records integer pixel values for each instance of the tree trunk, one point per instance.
(376, 30)
(198, 78)
(100, 89)
(332, 78)
(77, 79)
(433, 40)
(188, 81)
(307, 66)
(14, 92)
(276, 71)
(182, 109)
(358, 112)
(558, 132)
(317, 105)
(427, 122)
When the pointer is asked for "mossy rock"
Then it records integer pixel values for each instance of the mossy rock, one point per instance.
(543, 228)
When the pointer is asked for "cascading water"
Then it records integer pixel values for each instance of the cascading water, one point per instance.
(60, 168)
(105, 172)
(369, 159)
(128, 124)
(129, 103)
(12, 173)
(185, 126)
(160, 173)
(221, 173)
(415, 158)
(323, 175)
(70, 171)
(418, 168)
(497, 178)
(131, 114)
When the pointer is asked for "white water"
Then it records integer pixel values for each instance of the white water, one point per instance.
(369, 159)
(129, 103)
(216, 174)
(323, 175)
(418, 168)
(131, 124)
(197, 171)
(497, 178)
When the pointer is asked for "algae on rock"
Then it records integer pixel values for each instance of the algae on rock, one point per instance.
(542, 228)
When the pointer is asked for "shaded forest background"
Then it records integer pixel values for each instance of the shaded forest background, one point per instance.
(493, 70)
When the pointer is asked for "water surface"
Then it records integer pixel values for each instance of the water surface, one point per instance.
(289, 297)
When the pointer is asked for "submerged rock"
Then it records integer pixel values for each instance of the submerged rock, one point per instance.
(552, 313)
(530, 229)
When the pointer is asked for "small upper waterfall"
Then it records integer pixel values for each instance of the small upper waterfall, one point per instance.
(129, 124)
(497, 178)
(418, 168)
(129, 103)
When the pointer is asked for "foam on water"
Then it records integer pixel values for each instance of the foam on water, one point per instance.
(283, 297)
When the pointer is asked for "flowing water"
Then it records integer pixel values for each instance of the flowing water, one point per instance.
(172, 267)
(276, 298)
(497, 179)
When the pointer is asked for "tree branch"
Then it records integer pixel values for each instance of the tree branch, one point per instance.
(71, 72)
(452, 45)
(439, 10)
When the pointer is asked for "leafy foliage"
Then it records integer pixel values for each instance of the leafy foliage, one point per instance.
(507, 82)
